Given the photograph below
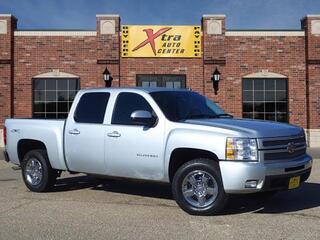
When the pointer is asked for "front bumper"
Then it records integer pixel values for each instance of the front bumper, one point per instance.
(269, 176)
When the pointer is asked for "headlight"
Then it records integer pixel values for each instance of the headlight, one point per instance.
(241, 149)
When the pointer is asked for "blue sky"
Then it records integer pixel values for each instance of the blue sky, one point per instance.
(80, 14)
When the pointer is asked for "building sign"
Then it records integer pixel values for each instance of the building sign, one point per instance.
(161, 41)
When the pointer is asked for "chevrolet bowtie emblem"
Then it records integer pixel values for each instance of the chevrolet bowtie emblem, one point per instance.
(291, 148)
(151, 37)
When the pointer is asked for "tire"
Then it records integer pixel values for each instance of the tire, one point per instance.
(210, 187)
(44, 177)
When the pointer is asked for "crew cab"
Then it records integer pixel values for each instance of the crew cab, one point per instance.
(165, 135)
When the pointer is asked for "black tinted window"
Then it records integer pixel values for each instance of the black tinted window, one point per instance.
(52, 98)
(178, 106)
(265, 99)
(126, 104)
(91, 108)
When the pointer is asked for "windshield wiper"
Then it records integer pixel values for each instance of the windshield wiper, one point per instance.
(224, 115)
(195, 116)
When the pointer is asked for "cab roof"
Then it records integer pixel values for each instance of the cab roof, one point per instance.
(136, 89)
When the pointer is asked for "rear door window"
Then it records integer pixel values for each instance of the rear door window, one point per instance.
(92, 107)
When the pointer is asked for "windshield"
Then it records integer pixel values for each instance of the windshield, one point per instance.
(178, 106)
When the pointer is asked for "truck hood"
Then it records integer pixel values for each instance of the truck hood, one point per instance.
(252, 128)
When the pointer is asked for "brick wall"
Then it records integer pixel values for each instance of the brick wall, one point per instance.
(313, 78)
(8, 24)
(244, 55)
(192, 68)
(86, 56)
(77, 55)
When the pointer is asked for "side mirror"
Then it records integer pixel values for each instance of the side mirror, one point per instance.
(143, 118)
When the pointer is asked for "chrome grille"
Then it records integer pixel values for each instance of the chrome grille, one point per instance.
(283, 155)
(278, 142)
(283, 149)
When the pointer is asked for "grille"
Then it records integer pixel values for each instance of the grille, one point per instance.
(274, 143)
(284, 155)
(277, 149)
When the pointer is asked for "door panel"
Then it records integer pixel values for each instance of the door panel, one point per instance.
(132, 150)
(85, 149)
(85, 134)
(136, 152)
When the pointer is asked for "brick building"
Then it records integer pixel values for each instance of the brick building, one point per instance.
(265, 74)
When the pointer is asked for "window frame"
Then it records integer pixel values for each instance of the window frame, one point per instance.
(275, 101)
(105, 112)
(33, 80)
(130, 125)
(160, 77)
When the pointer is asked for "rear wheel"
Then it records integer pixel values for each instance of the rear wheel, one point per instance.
(37, 172)
(197, 187)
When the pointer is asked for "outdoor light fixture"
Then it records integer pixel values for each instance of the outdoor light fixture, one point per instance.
(107, 77)
(215, 79)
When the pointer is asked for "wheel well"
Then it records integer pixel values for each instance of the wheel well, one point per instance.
(26, 145)
(180, 156)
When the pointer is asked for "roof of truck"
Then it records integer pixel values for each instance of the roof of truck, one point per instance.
(144, 89)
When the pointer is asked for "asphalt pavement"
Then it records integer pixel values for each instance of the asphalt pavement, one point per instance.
(81, 207)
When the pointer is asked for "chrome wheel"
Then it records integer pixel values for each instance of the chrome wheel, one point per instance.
(199, 188)
(33, 171)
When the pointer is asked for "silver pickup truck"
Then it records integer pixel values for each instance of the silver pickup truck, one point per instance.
(165, 135)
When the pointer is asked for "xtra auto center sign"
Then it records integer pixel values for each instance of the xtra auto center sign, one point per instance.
(161, 41)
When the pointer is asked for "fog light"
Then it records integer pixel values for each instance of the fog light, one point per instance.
(251, 184)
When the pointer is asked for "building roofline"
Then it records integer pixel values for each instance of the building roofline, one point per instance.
(7, 15)
(263, 33)
(213, 16)
(54, 30)
(55, 33)
(264, 30)
(108, 15)
(310, 16)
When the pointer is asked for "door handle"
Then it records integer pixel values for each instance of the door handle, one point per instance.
(74, 131)
(113, 134)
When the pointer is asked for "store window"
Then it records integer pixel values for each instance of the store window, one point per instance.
(52, 98)
(161, 80)
(265, 99)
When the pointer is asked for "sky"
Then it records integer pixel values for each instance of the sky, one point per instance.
(80, 14)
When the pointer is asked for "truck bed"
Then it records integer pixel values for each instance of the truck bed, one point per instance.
(50, 132)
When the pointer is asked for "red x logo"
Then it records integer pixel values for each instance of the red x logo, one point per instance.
(150, 38)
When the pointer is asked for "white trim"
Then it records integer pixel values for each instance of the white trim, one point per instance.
(5, 15)
(55, 33)
(56, 74)
(311, 16)
(216, 16)
(313, 137)
(266, 33)
(108, 15)
(265, 74)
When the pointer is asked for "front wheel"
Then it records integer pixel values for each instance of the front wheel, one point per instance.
(37, 173)
(197, 187)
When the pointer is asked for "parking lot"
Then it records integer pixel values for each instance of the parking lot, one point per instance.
(81, 207)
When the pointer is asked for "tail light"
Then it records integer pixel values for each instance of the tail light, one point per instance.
(5, 135)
